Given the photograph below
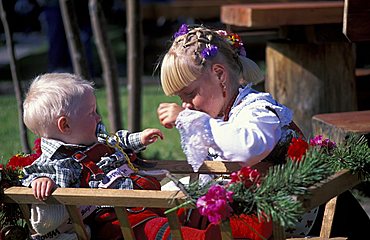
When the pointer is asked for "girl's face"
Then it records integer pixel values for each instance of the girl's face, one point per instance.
(204, 94)
(83, 123)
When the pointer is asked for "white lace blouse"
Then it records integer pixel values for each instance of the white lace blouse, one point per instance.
(256, 124)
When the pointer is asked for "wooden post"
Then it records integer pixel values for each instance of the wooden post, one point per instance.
(108, 62)
(16, 84)
(134, 64)
(312, 78)
(72, 31)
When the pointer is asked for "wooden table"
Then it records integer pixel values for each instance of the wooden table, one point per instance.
(311, 67)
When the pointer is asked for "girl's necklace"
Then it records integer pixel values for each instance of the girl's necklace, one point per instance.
(228, 108)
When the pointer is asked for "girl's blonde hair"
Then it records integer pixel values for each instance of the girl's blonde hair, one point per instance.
(186, 60)
(50, 96)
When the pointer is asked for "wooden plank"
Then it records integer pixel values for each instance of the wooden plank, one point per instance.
(282, 14)
(319, 238)
(226, 230)
(356, 20)
(327, 221)
(340, 124)
(175, 227)
(329, 188)
(278, 232)
(26, 211)
(122, 216)
(113, 197)
(182, 167)
(78, 224)
(199, 9)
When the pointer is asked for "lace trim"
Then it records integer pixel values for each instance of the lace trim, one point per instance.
(196, 137)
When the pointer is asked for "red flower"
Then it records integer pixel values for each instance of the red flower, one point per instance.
(37, 146)
(297, 149)
(246, 175)
(22, 160)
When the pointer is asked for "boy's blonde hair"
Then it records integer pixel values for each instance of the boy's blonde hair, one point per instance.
(50, 96)
(184, 62)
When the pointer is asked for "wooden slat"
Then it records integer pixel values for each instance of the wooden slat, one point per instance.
(356, 20)
(122, 216)
(200, 9)
(327, 221)
(226, 230)
(27, 215)
(182, 167)
(318, 238)
(278, 232)
(175, 227)
(329, 188)
(113, 197)
(77, 222)
(282, 14)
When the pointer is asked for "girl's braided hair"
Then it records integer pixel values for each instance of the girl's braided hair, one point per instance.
(195, 48)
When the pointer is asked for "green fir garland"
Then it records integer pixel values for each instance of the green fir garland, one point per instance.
(275, 197)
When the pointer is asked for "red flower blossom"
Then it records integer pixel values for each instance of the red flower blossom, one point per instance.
(22, 160)
(37, 146)
(247, 176)
(297, 149)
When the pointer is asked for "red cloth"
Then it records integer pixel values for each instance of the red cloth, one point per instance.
(158, 228)
(151, 225)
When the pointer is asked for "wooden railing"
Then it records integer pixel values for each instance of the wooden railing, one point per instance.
(122, 199)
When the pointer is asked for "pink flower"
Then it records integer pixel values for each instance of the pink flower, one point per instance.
(318, 141)
(215, 204)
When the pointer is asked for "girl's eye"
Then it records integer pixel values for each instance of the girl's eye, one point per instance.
(190, 94)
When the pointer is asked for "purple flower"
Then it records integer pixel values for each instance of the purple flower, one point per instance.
(182, 31)
(209, 52)
(215, 204)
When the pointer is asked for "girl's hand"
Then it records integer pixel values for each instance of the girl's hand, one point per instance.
(43, 187)
(150, 135)
(167, 114)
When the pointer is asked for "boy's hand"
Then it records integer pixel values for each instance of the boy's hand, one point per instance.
(43, 187)
(150, 135)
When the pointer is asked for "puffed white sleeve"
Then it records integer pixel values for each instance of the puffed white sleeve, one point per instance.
(249, 136)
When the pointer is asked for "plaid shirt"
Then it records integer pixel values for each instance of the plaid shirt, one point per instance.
(65, 171)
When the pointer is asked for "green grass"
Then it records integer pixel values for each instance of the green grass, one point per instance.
(169, 148)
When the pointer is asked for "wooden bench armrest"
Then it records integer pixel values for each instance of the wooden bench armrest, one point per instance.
(333, 186)
(100, 197)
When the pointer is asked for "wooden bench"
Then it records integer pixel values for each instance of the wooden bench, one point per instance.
(122, 199)
(339, 125)
(302, 62)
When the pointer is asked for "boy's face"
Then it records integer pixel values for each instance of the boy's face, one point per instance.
(83, 123)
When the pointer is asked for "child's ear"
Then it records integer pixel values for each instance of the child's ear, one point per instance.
(219, 70)
(63, 124)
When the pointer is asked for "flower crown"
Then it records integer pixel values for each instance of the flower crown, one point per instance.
(211, 50)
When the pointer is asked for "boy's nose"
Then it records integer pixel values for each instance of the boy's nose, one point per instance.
(98, 118)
